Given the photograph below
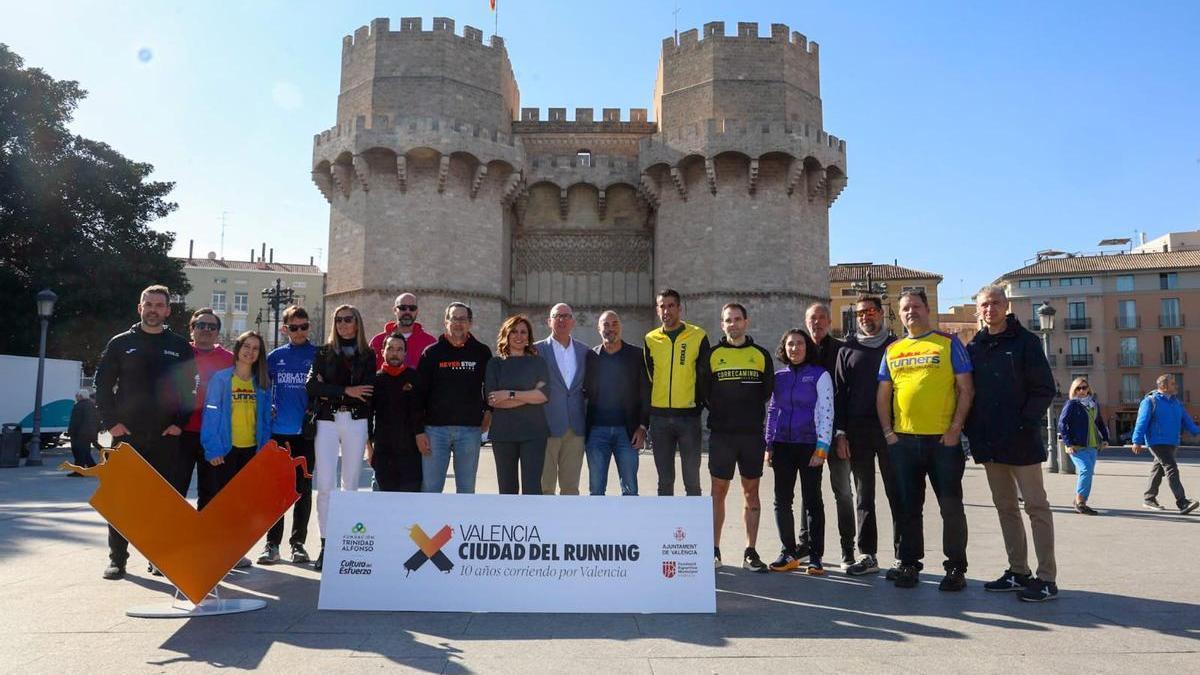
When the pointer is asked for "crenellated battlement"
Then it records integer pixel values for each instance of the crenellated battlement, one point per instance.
(410, 27)
(742, 131)
(430, 125)
(747, 32)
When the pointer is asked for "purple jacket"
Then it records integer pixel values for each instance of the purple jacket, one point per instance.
(801, 407)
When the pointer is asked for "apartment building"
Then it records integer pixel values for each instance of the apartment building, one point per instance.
(234, 289)
(847, 281)
(1121, 321)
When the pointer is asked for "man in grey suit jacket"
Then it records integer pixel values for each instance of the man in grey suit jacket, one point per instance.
(567, 360)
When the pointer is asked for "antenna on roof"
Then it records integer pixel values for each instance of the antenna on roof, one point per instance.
(676, 14)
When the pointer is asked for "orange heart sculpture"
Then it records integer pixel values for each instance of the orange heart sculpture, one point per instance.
(194, 549)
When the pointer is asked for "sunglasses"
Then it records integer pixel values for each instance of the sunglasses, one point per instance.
(406, 308)
(865, 312)
(297, 327)
(1082, 387)
(344, 319)
(206, 325)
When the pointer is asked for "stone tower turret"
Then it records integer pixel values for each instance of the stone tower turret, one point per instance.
(419, 171)
(742, 175)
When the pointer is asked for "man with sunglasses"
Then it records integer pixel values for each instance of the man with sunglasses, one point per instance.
(210, 357)
(858, 436)
(1013, 388)
(406, 324)
(288, 366)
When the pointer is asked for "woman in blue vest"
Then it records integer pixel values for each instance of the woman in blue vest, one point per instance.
(1082, 430)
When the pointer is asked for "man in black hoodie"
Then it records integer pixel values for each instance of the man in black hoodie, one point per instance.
(1013, 388)
(858, 436)
(145, 385)
(450, 375)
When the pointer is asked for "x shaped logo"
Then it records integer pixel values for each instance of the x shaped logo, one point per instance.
(429, 549)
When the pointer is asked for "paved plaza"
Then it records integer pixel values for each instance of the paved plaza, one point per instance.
(1129, 600)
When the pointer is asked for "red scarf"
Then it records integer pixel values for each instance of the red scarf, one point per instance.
(394, 370)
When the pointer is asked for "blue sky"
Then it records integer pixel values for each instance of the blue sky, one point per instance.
(977, 133)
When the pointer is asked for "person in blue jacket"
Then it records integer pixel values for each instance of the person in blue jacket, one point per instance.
(237, 414)
(1160, 418)
(1083, 431)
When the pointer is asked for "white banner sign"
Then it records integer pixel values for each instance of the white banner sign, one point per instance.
(495, 553)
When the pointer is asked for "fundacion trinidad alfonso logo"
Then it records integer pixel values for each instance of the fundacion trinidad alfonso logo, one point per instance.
(429, 548)
(359, 528)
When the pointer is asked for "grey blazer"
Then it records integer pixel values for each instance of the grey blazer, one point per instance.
(565, 407)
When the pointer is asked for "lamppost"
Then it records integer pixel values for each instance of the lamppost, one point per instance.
(45, 309)
(1046, 319)
(278, 298)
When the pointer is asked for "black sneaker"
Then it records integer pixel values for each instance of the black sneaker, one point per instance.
(867, 565)
(786, 562)
(802, 551)
(1153, 505)
(1039, 591)
(270, 555)
(753, 563)
(114, 571)
(1009, 581)
(320, 561)
(893, 571)
(717, 557)
(1189, 506)
(1086, 510)
(299, 555)
(907, 576)
(954, 580)
(847, 560)
(814, 567)
(243, 563)
(154, 571)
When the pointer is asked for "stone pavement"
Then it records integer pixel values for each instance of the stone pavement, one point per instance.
(1129, 601)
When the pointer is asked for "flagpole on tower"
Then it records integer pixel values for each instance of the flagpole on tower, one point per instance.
(496, 17)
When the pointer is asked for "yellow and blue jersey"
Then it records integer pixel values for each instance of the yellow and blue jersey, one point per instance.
(921, 370)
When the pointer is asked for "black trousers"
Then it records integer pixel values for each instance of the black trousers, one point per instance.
(170, 460)
(189, 443)
(790, 460)
(302, 511)
(528, 457)
(918, 457)
(397, 469)
(211, 479)
(867, 446)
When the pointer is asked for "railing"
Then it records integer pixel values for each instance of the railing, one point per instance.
(1128, 322)
(1176, 359)
(1171, 321)
(1129, 360)
(1079, 359)
(1078, 323)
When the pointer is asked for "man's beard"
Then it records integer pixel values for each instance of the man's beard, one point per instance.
(406, 320)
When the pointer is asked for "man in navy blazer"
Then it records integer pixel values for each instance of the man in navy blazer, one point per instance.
(567, 360)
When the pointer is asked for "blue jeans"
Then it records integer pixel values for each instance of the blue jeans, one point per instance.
(604, 443)
(914, 458)
(463, 442)
(1084, 460)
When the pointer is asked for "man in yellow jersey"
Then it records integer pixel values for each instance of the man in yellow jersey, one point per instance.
(676, 360)
(925, 392)
(741, 379)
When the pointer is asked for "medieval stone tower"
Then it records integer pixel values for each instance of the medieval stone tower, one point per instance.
(441, 185)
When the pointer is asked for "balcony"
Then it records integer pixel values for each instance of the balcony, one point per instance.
(1129, 360)
(1128, 322)
(1171, 321)
(1078, 323)
(1131, 397)
(1079, 359)
(1173, 359)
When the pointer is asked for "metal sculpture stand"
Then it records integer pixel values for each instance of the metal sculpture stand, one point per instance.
(212, 605)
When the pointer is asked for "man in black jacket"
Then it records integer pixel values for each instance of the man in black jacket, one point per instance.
(144, 391)
(858, 435)
(618, 407)
(1013, 388)
(397, 421)
(817, 320)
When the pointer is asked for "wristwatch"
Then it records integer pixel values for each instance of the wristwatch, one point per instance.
(512, 394)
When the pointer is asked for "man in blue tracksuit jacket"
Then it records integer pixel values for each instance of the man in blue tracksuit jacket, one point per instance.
(1160, 418)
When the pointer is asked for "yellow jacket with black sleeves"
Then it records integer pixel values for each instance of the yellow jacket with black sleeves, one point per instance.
(741, 379)
(677, 368)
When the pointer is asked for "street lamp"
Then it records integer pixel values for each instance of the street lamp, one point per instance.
(1046, 324)
(278, 298)
(45, 309)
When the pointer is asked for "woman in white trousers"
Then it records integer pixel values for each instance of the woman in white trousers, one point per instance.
(340, 385)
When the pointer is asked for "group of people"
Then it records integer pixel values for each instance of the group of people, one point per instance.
(409, 403)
